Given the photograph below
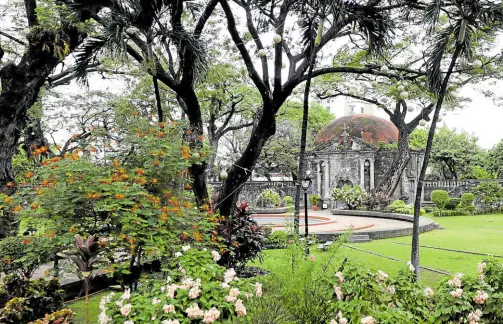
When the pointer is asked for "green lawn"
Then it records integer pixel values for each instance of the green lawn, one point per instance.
(79, 307)
(470, 233)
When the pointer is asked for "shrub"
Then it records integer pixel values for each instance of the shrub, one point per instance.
(396, 204)
(456, 212)
(314, 199)
(352, 196)
(23, 254)
(467, 199)
(242, 237)
(287, 201)
(63, 316)
(408, 210)
(489, 195)
(277, 238)
(375, 201)
(268, 199)
(196, 287)
(452, 203)
(29, 300)
(440, 198)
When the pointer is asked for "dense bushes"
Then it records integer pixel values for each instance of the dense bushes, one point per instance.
(446, 206)
(287, 201)
(440, 198)
(353, 196)
(277, 239)
(399, 207)
(22, 300)
(268, 199)
(23, 254)
(489, 196)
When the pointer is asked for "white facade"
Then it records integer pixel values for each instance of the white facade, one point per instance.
(343, 106)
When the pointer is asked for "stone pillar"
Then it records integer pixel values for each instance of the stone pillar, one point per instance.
(372, 174)
(318, 178)
(362, 173)
(327, 180)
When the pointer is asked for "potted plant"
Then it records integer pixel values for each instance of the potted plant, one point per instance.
(315, 200)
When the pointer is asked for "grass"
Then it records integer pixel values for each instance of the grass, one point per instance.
(469, 233)
(79, 307)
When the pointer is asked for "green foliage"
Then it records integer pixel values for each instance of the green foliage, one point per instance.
(268, 198)
(314, 199)
(29, 300)
(351, 195)
(452, 203)
(440, 198)
(489, 195)
(396, 204)
(277, 239)
(194, 279)
(60, 316)
(495, 160)
(467, 199)
(287, 201)
(23, 254)
(408, 210)
(387, 146)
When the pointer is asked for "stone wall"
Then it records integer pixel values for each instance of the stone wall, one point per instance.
(252, 189)
(455, 188)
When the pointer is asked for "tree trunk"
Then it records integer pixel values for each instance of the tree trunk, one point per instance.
(426, 159)
(241, 171)
(303, 139)
(197, 171)
(391, 179)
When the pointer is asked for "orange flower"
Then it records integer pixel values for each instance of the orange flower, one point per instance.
(120, 196)
(43, 149)
(6, 260)
(140, 171)
(156, 162)
(188, 186)
(155, 181)
(201, 138)
(9, 199)
(160, 134)
(198, 237)
(26, 241)
(29, 175)
(10, 184)
(35, 205)
(185, 152)
(17, 208)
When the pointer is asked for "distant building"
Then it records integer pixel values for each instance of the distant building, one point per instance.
(344, 106)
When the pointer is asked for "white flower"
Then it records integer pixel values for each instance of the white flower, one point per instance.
(187, 283)
(126, 309)
(126, 294)
(229, 275)
(411, 267)
(194, 292)
(156, 301)
(163, 289)
(339, 276)
(342, 319)
(368, 320)
(333, 322)
(168, 280)
(481, 277)
(258, 289)
(474, 317)
(457, 293)
(103, 318)
(194, 312)
(428, 292)
(211, 315)
(215, 255)
(171, 291)
(178, 254)
(168, 308)
(481, 267)
(170, 322)
(391, 290)
(205, 249)
(240, 308)
(381, 276)
(224, 285)
(338, 292)
(119, 302)
(129, 322)
(185, 248)
(456, 281)
(480, 297)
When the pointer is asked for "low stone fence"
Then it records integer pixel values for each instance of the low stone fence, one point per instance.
(455, 188)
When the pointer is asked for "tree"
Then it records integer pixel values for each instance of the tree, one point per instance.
(466, 21)
(495, 160)
(48, 41)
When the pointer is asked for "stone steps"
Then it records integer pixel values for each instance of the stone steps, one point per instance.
(359, 238)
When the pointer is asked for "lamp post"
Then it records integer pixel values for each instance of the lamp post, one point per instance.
(306, 182)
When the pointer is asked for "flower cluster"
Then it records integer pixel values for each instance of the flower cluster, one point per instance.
(474, 317)
(340, 319)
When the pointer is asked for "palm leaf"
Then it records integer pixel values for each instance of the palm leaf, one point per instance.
(434, 61)
(85, 55)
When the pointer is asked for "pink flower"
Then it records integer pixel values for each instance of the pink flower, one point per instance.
(474, 317)
(391, 290)
(457, 293)
(428, 292)
(170, 322)
(229, 275)
(126, 309)
(342, 319)
(333, 322)
(312, 258)
(156, 301)
(224, 285)
(368, 320)
(168, 308)
(481, 267)
(339, 276)
(126, 294)
(240, 308)
(171, 291)
(381, 276)
(480, 297)
(211, 315)
(481, 277)
(258, 289)
(194, 292)
(233, 294)
(338, 292)
(194, 312)
(128, 322)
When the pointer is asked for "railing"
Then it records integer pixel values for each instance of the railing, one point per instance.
(457, 183)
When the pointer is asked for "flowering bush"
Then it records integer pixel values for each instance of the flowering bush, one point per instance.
(367, 297)
(196, 290)
(268, 199)
(351, 195)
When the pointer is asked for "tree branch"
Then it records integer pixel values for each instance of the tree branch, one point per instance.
(237, 127)
(17, 40)
(256, 37)
(31, 14)
(204, 18)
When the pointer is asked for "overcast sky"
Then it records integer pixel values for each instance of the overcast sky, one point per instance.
(481, 116)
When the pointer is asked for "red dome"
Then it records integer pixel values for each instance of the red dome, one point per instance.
(370, 129)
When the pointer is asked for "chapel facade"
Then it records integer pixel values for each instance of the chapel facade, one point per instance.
(347, 152)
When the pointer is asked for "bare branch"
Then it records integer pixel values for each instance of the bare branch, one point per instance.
(17, 40)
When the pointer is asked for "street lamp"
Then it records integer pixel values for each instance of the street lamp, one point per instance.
(306, 183)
